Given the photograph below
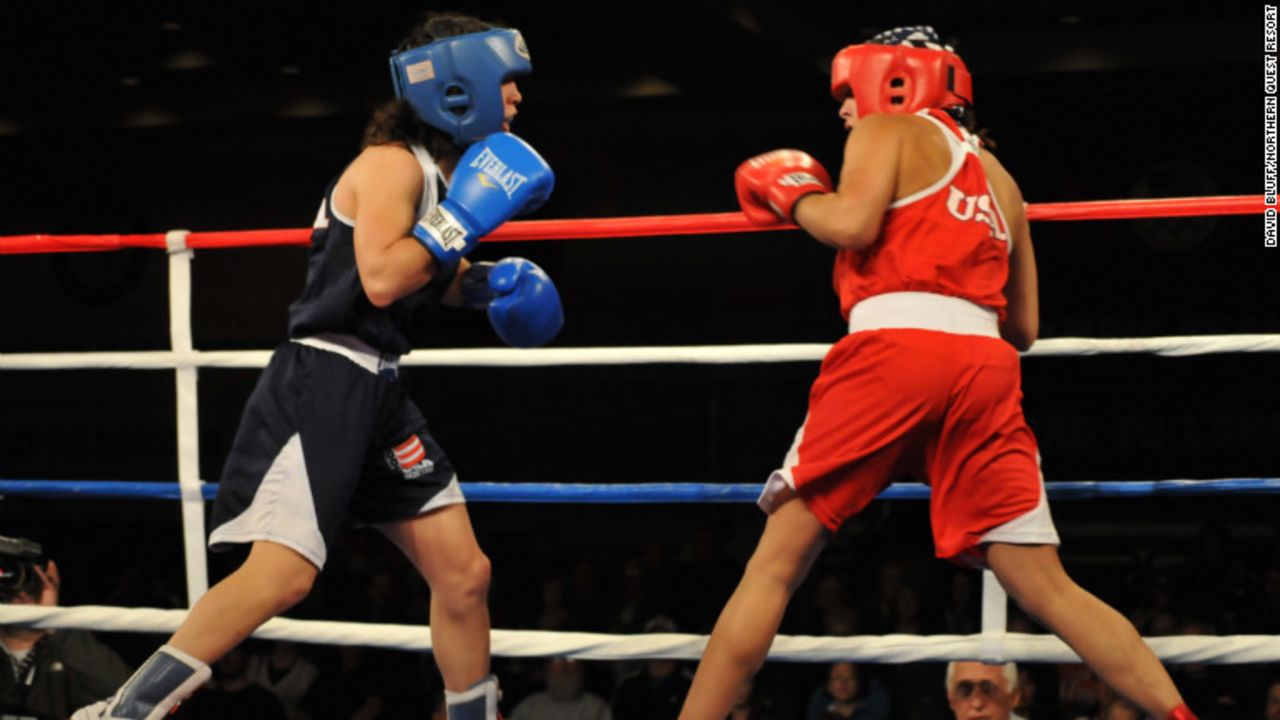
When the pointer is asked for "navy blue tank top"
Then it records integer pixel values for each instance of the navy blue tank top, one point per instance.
(333, 299)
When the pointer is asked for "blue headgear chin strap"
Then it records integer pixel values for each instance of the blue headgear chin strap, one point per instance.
(455, 84)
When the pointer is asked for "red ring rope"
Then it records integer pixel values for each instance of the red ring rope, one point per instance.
(697, 224)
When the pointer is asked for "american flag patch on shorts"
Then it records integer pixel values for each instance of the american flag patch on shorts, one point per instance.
(411, 456)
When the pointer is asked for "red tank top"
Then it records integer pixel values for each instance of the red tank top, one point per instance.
(949, 238)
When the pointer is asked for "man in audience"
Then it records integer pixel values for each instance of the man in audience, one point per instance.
(977, 690)
(46, 673)
(231, 694)
(565, 697)
(1121, 709)
(656, 691)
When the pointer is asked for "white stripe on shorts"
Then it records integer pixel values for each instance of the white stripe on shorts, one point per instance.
(282, 511)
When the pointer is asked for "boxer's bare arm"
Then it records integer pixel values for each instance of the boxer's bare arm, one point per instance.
(850, 217)
(1022, 320)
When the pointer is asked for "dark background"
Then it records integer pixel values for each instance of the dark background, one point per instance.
(135, 117)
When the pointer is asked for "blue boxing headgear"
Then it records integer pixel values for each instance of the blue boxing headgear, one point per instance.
(455, 84)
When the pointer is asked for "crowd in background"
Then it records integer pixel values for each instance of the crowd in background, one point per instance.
(680, 587)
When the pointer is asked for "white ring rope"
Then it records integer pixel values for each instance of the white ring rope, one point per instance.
(1181, 346)
(597, 646)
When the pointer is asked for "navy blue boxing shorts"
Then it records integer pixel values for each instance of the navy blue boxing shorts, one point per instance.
(328, 434)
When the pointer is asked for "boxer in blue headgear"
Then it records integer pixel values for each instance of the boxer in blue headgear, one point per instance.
(454, 84)
(330, 432)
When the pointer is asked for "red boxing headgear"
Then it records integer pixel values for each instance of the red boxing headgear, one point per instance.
(900, 78)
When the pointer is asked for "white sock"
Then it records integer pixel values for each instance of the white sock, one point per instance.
(167, 678)
(479, 702)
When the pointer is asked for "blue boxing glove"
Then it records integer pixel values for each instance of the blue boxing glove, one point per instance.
(523, 305)
(497, 177)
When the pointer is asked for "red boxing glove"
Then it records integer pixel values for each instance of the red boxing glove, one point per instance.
(769, 185)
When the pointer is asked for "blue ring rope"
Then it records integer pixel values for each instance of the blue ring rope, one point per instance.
(656, 492)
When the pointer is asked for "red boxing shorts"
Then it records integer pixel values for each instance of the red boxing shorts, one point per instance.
(943, 408)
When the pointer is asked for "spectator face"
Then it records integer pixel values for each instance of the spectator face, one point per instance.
(890, 581)
(830, 593)
(842, 682)
(840, 621)
(980, 692)
(231, 665)
(660, 668)
(564, 679)
(633, 575)
(907, 605)
(1273, 702)
(552, 592)
(381, 589)
(1164, 623)
(1121, 710)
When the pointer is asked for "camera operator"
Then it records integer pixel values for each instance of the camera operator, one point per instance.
(46, 674)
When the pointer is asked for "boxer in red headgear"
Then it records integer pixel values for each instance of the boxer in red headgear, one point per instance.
(901, 78)
(937, 280)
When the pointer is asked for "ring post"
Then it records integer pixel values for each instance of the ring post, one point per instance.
(995, 608)
(188, 414)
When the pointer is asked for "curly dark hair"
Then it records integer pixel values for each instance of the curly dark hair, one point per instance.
(395, 121)
(967, 117)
